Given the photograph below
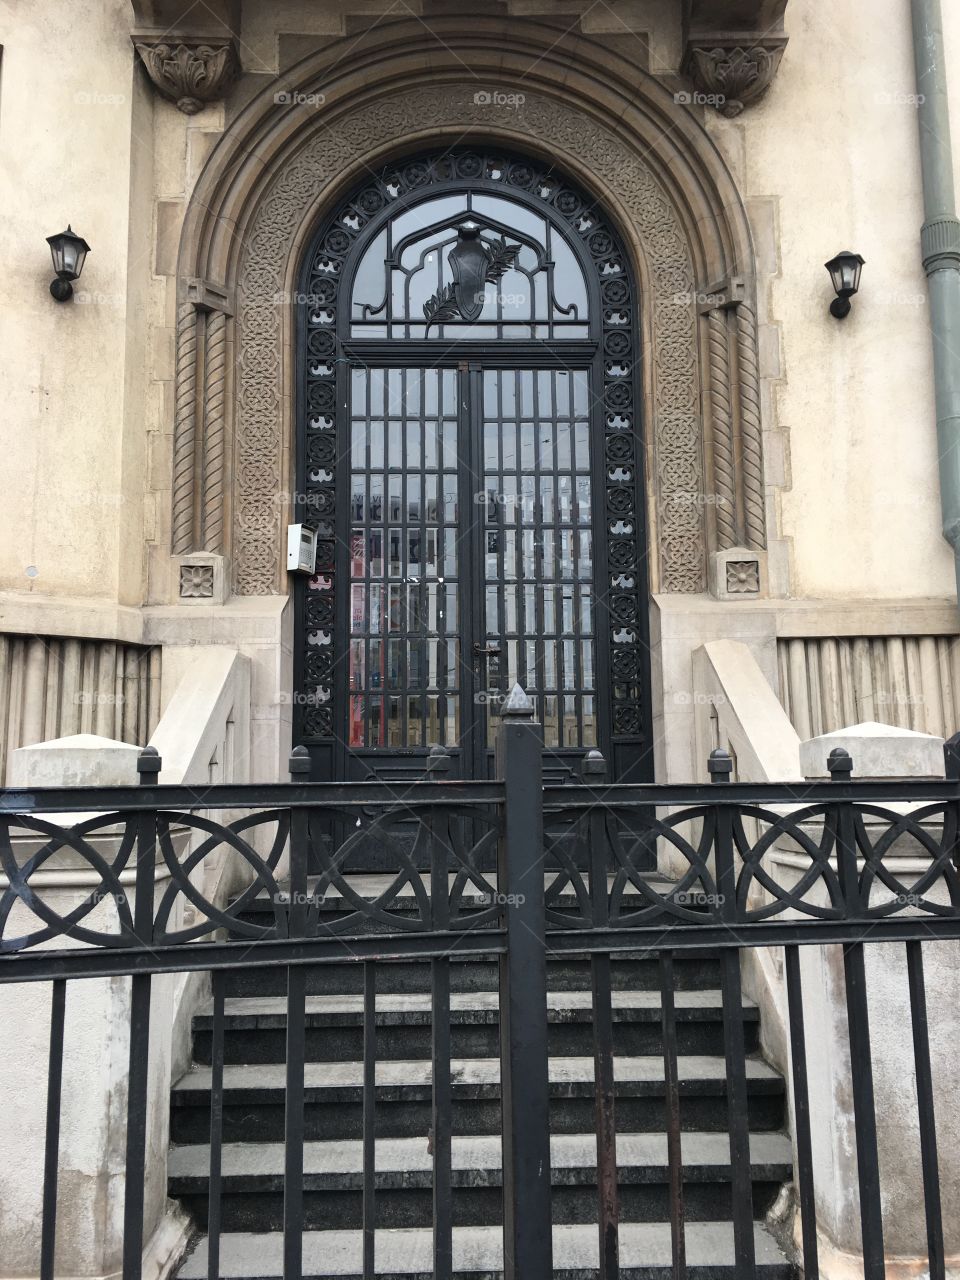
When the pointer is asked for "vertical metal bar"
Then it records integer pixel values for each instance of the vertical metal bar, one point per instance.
(369, 1117)
(148, 767)
(524, 1078)
(737, 1117)
(296, 1034)
(442, 1107)
(216, 1130)
(801, 1113)
(925, 1111)
(51, 1155)
(293, 1124)
(607, 1188)
(133, 1199)
(840, 766)
(671, 1083)
(864, 1112)
(741, 1184)
(470, 533)
(593, 770)
(438, 766)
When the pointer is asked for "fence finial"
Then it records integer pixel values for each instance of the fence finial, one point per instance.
(148, 763)
(593, 767)
(840, 764)
(438, 761)
(299, 761)
(517, 705)
(719, 765)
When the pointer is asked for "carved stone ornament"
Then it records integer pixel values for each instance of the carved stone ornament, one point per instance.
(743, 577)
(731, 76)
(190, 73)
(196, 581)
(201, 579)
(298, 188)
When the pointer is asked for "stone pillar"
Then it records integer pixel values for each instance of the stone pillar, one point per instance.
(879, 751)
(95, 1060)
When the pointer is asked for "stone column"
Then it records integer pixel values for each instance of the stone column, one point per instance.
(879, 751)
(95, 1059)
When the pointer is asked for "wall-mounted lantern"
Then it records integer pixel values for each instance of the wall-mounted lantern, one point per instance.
(68, 251)
(844, 271)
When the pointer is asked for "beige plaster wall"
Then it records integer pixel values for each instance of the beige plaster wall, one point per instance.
(828, 160)
(75, 124)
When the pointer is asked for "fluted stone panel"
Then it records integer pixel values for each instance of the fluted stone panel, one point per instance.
(51, 686)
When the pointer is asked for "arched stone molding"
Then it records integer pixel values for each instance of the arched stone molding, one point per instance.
(613, 129)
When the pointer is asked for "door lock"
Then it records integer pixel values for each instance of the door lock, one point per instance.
(481, 650)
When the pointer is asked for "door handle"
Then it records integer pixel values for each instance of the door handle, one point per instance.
(481, 650)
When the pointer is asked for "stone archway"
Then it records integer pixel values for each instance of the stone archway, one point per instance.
(654, 169)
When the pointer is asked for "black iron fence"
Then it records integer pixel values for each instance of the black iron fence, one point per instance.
(574, 876)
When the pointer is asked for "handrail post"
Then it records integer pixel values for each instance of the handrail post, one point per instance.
(840, 768)
(527, 1242)
(148, 769)
(593, 771)
(299, 767)
(297, 922)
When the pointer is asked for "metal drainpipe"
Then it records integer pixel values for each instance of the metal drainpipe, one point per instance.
(940, 244)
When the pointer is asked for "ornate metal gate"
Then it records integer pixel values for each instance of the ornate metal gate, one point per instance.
(469, 451)
(146, 847)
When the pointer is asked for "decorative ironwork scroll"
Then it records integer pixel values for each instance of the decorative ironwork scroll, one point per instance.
(740, 856)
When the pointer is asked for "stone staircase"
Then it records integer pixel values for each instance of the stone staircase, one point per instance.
(253, 1118)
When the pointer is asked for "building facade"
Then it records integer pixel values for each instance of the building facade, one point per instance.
(778, 469)
(425, 350)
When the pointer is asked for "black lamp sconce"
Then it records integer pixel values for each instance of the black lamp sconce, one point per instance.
(844, 271)
(68, 251)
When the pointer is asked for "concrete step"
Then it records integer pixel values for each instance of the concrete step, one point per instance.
(255, 1027)
(693, 971)
(645, 1254)
(254, 1097)
(253, 1180)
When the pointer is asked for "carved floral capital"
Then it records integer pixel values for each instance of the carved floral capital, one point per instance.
(190, 72)
(730, 76)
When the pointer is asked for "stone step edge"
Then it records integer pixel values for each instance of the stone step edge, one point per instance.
(569, 1152)
(645, 1252)
(405, 1074)
(413, 1009)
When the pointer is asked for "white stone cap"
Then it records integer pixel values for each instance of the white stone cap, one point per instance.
(80, 760)
(877, 750)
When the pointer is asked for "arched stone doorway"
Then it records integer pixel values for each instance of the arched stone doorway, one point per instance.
(572, 103)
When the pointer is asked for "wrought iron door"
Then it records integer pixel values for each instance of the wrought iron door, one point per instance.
(469, 453)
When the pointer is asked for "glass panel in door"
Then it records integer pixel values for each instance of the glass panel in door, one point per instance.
(537, 550)
(403, 646)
